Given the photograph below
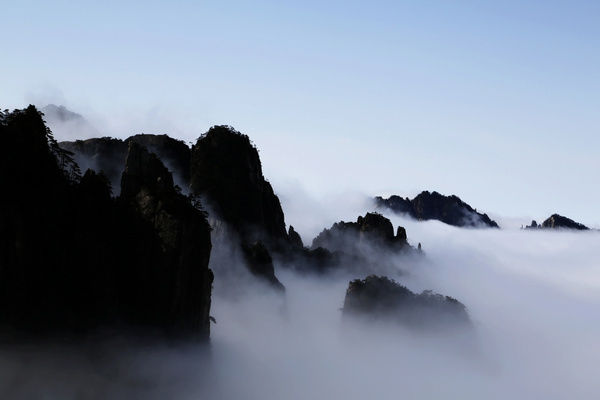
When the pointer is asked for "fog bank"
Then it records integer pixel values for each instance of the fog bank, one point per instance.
(533, 297)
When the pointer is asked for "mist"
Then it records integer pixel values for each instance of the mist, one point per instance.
(533, 298)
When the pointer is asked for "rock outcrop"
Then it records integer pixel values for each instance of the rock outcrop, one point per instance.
(379, 298)
(556, 221)
(223, 168)
(145, 171)
(226, 170)
(174, 154)
(184, 234)
(260, 263)
(366, 246)
(295, 239)
(373, 229)
(427, 206)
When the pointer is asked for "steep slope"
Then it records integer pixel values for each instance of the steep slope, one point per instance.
(184, 236)
(226, 170)
(227, 175)
(73, 259)
(223, 167)
(107, 155)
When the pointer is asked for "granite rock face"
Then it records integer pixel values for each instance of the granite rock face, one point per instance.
(184, 235)
(260, 263)
(432, 205)
(144, 170)
(226, 170)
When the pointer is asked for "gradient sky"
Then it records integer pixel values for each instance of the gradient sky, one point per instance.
(496, 102)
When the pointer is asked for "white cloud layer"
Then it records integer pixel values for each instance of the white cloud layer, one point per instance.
(533, 296)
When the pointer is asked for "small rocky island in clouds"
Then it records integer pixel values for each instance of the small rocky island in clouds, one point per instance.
(380, 297)
(556, 221)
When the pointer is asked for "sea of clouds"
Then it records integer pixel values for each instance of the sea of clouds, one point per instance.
(534, 298)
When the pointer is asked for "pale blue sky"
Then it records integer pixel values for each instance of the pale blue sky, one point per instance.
(496, 102)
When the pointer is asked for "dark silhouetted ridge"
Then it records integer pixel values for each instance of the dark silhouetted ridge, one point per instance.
(380, 298)
(73, 259)
(432, 205)
(226, 170)
(556, 221)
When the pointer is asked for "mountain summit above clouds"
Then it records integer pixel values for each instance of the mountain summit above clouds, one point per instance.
(432, 205)
(556, 221)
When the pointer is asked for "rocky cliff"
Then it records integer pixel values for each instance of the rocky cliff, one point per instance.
(74, 259)
(107, 155)
(184, 235)
(226, 170)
